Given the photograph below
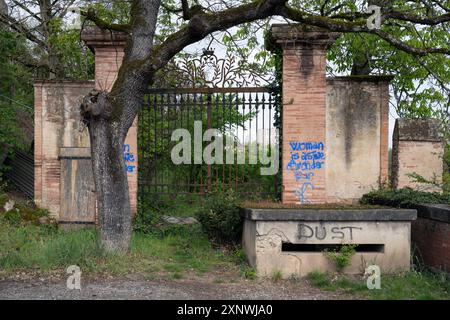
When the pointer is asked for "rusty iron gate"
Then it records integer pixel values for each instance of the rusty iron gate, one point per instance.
(246, 114)
(21, 172)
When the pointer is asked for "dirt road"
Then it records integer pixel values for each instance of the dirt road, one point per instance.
(137, 287)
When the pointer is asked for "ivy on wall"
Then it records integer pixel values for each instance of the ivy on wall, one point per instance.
(276, 91)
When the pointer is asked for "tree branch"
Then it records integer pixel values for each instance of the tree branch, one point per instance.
(200, 25)
(21, 29)
(91, 15)
(405, 16)
(171, 9)
(189, 12)
(408, 48)
(23, 7)
(185, 9)
(355, 26)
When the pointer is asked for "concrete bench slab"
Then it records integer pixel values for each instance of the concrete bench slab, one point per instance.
(291, 241)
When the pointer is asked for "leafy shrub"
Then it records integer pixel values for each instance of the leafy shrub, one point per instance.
(403, 198)
(319, 279)
(3, 200)
(342, 257)
(249, 273)
(12, 217)
(26, 213)
(220, 218)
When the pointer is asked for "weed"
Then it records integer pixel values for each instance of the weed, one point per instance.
(277, 275)
(239, 256)
(407, 285)
(249, 273)
(319, 279)
(342, 257)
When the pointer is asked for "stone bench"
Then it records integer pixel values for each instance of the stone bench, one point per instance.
(291, 241)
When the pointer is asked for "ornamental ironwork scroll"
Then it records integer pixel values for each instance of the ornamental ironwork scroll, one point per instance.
(208, 70)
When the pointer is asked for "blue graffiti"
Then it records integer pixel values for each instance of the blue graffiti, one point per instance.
(303, 175)
(300, 146)
(300, 193)
(315, 155)
(306, 157)
(128, 156)
(305, 165)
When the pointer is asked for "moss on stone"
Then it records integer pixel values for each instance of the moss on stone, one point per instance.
(365, 78)
(325, 206)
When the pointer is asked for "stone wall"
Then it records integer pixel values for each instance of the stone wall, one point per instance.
(357, 128)
(417, 148)
(61, 145)
(57, 125)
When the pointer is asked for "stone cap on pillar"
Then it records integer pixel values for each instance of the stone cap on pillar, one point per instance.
(375, 78)
(95, 37)
(418, 130)
(290, 35)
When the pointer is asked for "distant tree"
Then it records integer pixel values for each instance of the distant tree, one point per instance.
(54, 51)
(15, 98)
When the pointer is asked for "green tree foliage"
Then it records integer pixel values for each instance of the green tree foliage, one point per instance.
(421, 84)
(15, 93)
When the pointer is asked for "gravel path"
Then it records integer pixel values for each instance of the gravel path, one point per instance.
(201, 288)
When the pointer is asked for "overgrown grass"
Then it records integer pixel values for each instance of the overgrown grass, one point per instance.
(408, 285)
(37, 247)
(185, 250)
(27, 244)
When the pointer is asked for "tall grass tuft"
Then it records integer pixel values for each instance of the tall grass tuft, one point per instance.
(33, 247)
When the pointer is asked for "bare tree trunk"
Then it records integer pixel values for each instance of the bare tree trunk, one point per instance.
(111, 185)
(107, 134)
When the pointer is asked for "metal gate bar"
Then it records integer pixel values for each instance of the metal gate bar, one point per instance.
(245, 113)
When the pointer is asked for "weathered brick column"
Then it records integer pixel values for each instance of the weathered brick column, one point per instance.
(57, 127)
(417, 148)
(304, 111)
(108, 48)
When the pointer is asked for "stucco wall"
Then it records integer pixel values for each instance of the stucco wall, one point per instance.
(417, 148)
(57, 125)
(266, 255)
(57, 122)
(357, 131)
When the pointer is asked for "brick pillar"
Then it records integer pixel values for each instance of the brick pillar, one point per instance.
(304, 111)
(417, 148)
(108, 47)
